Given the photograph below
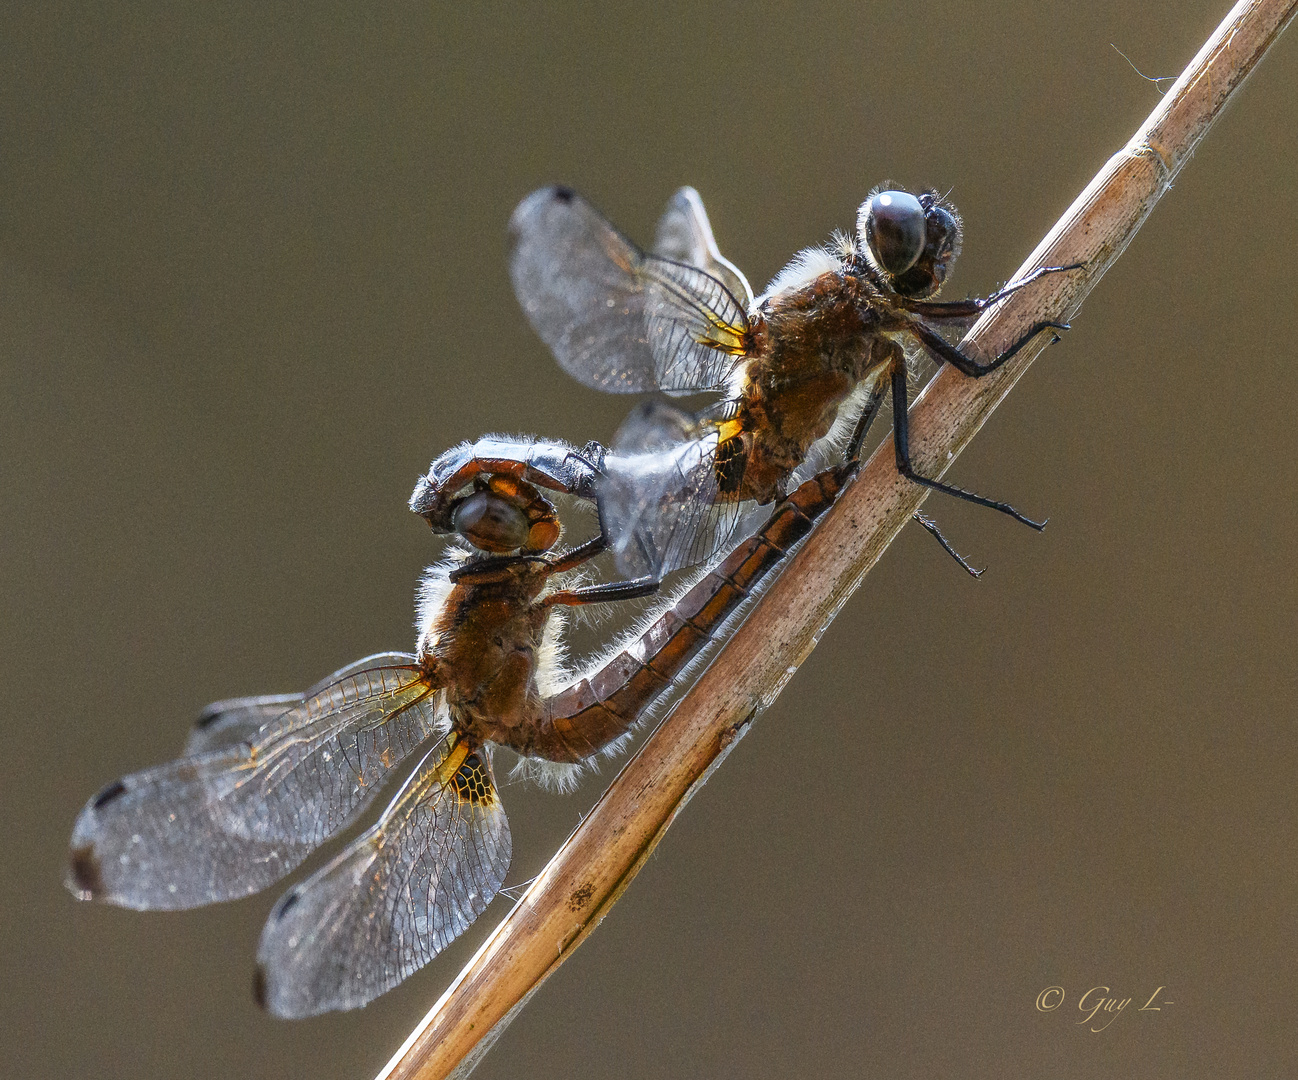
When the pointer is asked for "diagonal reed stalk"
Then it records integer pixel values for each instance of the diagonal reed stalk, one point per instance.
(588, 874)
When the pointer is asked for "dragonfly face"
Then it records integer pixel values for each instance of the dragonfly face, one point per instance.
(834, 326)
(503, 514)
(911, 242)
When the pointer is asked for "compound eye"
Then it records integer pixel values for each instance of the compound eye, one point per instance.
(491, 523)
(894, 229)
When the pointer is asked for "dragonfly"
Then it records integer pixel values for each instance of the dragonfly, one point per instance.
(269, 779)
(841, 325)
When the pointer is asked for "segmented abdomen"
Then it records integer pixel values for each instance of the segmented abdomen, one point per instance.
(585, 717)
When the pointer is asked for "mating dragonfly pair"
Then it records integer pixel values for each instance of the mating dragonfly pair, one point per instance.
(798, 370)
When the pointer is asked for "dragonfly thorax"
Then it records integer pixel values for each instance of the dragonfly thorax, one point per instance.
(485, 642)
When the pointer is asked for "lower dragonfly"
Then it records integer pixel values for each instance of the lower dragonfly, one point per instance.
(270, 779)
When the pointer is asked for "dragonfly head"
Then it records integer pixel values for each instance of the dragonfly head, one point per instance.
(497, 513)
(911, 240)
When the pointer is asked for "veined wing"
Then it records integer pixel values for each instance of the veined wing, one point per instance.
(230, 821)
(614, 317)
(685, 236)
(227, 723)
(236, 720)
(661, 497)
(395, 897)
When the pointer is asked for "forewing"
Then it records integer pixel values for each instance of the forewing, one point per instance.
(395, 897)
(236, 720)
(227, 723)
(696, 327)
(230, 821)
(615, 318)
(685, 236)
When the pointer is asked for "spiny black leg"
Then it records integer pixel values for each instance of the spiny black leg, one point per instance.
(582, 552)
(935, 532)
(1039, 272)
(901, 439)
(868, 413)
(598, 594)
(476, 567)
(575, 557)
(944, 350)
(967, 309)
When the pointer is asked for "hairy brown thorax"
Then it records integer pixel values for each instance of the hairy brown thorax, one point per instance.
(811, 347)
(483, 648)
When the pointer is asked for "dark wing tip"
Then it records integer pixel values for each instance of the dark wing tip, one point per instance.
(285, 904)
(532, 213)
(259, 986)
(208, 716)
(108, 794)
(85, 877)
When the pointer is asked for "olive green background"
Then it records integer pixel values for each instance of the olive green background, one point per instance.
(252, 279)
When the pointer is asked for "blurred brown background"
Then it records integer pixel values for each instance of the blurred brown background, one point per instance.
(252, 279)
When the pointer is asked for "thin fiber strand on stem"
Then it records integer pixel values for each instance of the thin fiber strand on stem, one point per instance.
(590, 871)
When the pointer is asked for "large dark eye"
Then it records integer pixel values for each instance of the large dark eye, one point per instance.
(942, 235)
(491, 523)
(892, 223)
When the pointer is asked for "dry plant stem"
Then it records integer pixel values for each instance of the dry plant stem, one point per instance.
(589, 872)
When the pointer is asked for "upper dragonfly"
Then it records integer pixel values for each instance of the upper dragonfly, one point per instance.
(839, 323)
(267, 780)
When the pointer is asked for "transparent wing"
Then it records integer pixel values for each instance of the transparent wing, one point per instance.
(227, 723)
(660, 498)
(614, 317)
(685, 236)
(395, 897)
(655, 425)
(235, 720)
(230, 821)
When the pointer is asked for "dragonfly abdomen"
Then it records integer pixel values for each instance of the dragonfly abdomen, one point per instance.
(586, 717)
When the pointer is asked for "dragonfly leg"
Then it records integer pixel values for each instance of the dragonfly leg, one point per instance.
(567, 561)
(863, 423)
(481, 568)
(491, 566)
(901, 437)
(582, 552)
(944, 350)
(599, 594)
(936, 533)
(1039, 272)
(871, 410)
(967, 309)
